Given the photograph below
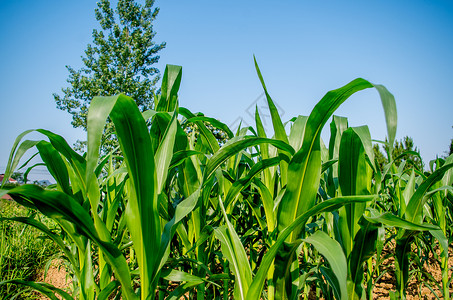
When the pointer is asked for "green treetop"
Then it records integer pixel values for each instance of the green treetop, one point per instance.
(406, 145)
(120, 60)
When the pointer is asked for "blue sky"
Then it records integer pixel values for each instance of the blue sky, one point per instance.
(304, 49)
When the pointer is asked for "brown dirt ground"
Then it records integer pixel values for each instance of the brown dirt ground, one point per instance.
(415, 289)
(57, 276)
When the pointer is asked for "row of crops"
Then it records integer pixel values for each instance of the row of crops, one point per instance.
(174, 213)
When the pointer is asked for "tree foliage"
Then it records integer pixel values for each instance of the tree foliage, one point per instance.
(120, 60)
(406, 145)
(450, 150)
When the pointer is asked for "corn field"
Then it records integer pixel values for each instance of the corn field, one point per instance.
(173, 213)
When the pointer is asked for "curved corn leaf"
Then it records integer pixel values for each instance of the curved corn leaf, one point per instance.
(364, 247)
(12, 161)
(54, 237)
(418, 199)
(168, 100)
(67, 211)
(391, 116)
(105, 293)
(142, 210)
(214, 122)
(234, 251)
(279, 128)
(236, 145)
(177, 275)
(268, 204)
(391, 220)
(98, 112)
(255, 289)
(305, 166)
(164, 153)
(332, 251)
(44, 288)
(296, 135)
(181, 211)
(55, 165)
(354, 178)
(180, 156)
(244, 182)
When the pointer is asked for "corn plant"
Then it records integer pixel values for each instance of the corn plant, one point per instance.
(175, 212)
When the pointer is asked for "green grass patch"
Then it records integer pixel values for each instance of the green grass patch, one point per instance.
(23, 250)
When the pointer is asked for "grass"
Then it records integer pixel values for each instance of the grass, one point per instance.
(23, 251)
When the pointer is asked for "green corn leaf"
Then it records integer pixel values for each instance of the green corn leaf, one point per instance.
(255, 289)
(12, 161)
(105, 293)
(286, 266)
(234, 251)
(21, 150)
(364, 247)
(326, 165)
(402, 253)
(181, 290)
(148, 114)
(260, 130)
(76, 161)
(391, 220)
(296, 135)
(164, 153)
(391, 119)
(171, 81)
(443, 241)
(236, 145)
(210, 139)
(354, 178)
(177, 275)
(180, 156)
(279, 128)
(55, 165)
(408, 192)
(76, 221)
(448, 177)
(244, 182)
(182, 210)
(364, 135)
(305, 166)
(98, 112)
(87, 273)
(54, 237)
(418, 199)
(44, 288)
(214, 122)
(268, 204)
(142, 210)
(332, 280)
(337, 127)
(333, 253)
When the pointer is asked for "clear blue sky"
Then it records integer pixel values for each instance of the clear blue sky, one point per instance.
(304, 49)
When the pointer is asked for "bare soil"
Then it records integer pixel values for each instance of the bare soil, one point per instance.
(416, 288)
(57, 276)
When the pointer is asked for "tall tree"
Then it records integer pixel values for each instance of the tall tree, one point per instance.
(451, 148)
(450, 151)
(400, 147)
(120, 60)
